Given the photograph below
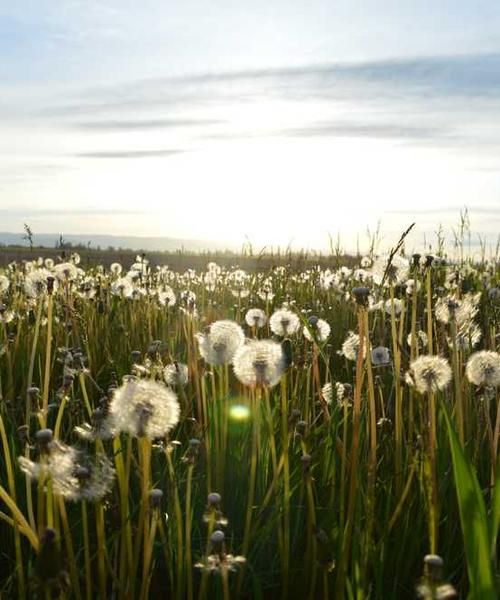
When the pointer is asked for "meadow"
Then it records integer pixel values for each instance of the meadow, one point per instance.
(288, 431)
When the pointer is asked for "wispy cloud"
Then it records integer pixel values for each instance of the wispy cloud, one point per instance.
(129, 154)
(139, 124)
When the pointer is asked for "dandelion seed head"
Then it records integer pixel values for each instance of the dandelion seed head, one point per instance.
(483, 368)
(320, 329)
(4, 284)
(220, 344)
(381, 356)
(259, 363)
(421, 338)
(176, 374)
(395, 272)
(143, 407)
(284, 322)
(429, 374)
(166, 296)
(255, 317)
(65, 271)
(350, 347)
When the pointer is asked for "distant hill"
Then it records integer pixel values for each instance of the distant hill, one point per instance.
(150, 244)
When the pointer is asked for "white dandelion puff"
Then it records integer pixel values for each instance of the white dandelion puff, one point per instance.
(429, 374)
(219, 345)
(320, 330)
(483, 368)
(381, 356)
(176, 374)
(350, 347)
(259, 363)
(284, 322)
(391, 273)
(256, 317)
(144, 408)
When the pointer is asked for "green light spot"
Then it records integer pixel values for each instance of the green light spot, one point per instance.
(239, 412)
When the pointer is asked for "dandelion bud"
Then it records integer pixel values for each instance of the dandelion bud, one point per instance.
(135, 355)
(305, 459)
(361, 295)
(286, 346)
(44, 438)
(301, 427)
(23, 433)
(416, 259)
(50, 284)
(429, 259)
(313, 320)
(33, 392)
(48, 564)
(214, 499)
(155, 496)
(433, 567)
(294, 416)
(217, 540)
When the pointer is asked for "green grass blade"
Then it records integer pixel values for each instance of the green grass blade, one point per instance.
(473, 520)
(495, 512)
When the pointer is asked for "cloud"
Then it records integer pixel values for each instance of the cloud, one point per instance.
(129, 153)
(472, 77)
(370, 130)
(139, 124)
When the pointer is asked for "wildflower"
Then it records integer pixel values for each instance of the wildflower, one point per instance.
(219, 346)
(90, 480)
(429, 374)
(144, 408)
(410, 286)
(256, 317)
(122, 287)
(284, 322)
(344, 392)
(155, 497)
(327, 393)
(483, 368)
(102, 427)
(4, 284)
(37, 282)
(468, 335)
(381, 356)
(390, 273)
(421, 338)
(259, 363)
(350, 347)
(462, 310)
(73, 474)
(318, 330)
(213, 512)
(176, 374)
(166, 296)
(218, 561)
(361, 295)
(65, 271)
(394, 306)
(115, 268)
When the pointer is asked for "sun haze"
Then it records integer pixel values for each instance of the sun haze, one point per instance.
(276, 122)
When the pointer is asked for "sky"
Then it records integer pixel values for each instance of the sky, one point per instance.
(274, 122)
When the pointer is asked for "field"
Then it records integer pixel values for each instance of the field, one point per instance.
(290, 429)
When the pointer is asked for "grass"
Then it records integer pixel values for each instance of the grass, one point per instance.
(336, 497)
